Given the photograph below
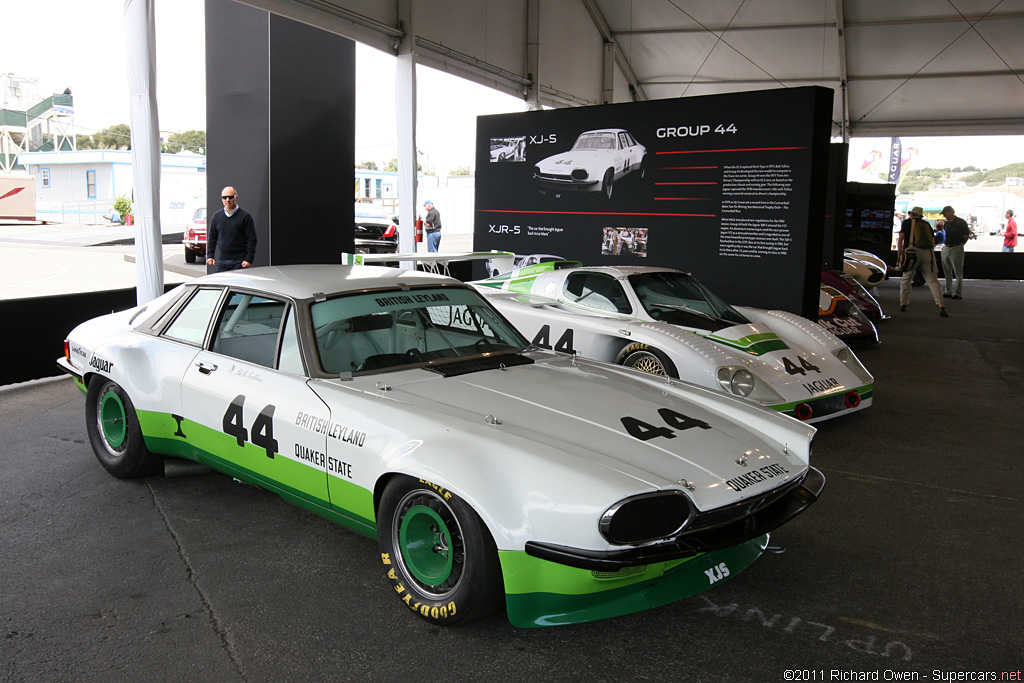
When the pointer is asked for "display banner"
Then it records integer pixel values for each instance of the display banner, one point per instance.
(729, 187)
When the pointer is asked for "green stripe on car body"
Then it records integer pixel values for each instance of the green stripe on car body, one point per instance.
(542, 593)
(866, 392)
(755, 344)
(203, 444)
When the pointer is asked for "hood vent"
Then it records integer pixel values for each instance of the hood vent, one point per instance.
(465, 367)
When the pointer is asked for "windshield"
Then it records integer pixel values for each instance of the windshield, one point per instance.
(370, 211)
(595, 141)
(378, 331)
(679, 299)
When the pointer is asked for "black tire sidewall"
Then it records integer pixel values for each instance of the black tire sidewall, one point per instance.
(134, 459)
(479, 591)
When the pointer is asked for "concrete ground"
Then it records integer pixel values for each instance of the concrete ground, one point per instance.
(910, 565)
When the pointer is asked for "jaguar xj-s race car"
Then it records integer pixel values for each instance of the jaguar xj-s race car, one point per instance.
(401, 405)
(597, 160)
(666, 322)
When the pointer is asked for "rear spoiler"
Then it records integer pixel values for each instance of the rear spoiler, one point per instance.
(432, 262)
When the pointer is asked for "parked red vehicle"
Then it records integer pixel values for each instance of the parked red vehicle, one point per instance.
(194, 237)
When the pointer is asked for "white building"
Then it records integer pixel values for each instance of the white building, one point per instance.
(80, 186)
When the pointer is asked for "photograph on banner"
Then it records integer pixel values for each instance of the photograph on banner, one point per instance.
(730, 187)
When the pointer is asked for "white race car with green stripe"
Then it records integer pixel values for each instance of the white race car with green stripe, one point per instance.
(401, 405)
(666, 322)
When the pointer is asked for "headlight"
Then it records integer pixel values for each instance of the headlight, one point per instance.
(580, 174)
(741, 382)
(647, 517)
(852, 363)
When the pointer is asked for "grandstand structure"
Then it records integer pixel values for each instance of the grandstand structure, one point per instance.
(30, 123)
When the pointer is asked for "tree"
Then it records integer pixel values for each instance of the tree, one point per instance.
(368, 165)
(191, 140)
(392, 167)
(118, 136)
(84, 142)
(461, 170)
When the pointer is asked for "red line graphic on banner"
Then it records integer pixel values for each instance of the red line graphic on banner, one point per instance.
(12, 192)
(599, 213)
(746, 149)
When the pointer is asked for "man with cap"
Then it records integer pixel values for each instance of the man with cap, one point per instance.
(957, 234)
(916, 234)
(432, 224)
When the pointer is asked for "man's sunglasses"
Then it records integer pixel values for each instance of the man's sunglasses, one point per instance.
(227, 196)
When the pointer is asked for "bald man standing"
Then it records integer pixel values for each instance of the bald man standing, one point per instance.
(230, 235)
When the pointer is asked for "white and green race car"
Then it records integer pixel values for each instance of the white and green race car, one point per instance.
(666, 322)
(405, 407)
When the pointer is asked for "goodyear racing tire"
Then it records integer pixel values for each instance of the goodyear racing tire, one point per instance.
(648, 359)
(440, 557)
(114, 432)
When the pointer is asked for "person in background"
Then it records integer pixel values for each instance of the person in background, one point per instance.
(1010, 234)
(917, 233)
(957, 234)
(432, 225)
(230, 235)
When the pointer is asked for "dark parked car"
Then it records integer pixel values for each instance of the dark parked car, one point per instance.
(376, 232)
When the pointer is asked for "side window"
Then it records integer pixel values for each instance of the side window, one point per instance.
(291, 357)
(192, 321)
(623, 142)
(44, 176)
(90, 184)
(598, 291)
(248, 329)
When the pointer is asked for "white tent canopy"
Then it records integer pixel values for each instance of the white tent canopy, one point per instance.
(914, 67)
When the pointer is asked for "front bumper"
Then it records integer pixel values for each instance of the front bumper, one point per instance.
(540, 593)
(748, 524)
(565, 183)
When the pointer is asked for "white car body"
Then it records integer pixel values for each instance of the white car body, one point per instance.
(548, 451)
(596, 161)
(797, 367)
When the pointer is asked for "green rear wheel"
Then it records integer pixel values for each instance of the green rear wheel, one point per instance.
(114, 431)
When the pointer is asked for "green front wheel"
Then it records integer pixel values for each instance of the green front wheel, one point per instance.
(439, 555)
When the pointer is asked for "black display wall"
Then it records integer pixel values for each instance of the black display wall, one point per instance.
(281, 130)
(870, 210)
(730, 187)
(835, 206)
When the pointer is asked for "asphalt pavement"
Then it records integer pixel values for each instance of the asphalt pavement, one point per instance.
(909, 566)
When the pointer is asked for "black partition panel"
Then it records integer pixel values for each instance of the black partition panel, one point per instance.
(281, 130)
(731, 187)
(870, 218)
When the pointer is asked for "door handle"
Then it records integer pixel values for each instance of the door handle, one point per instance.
(205, 368)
